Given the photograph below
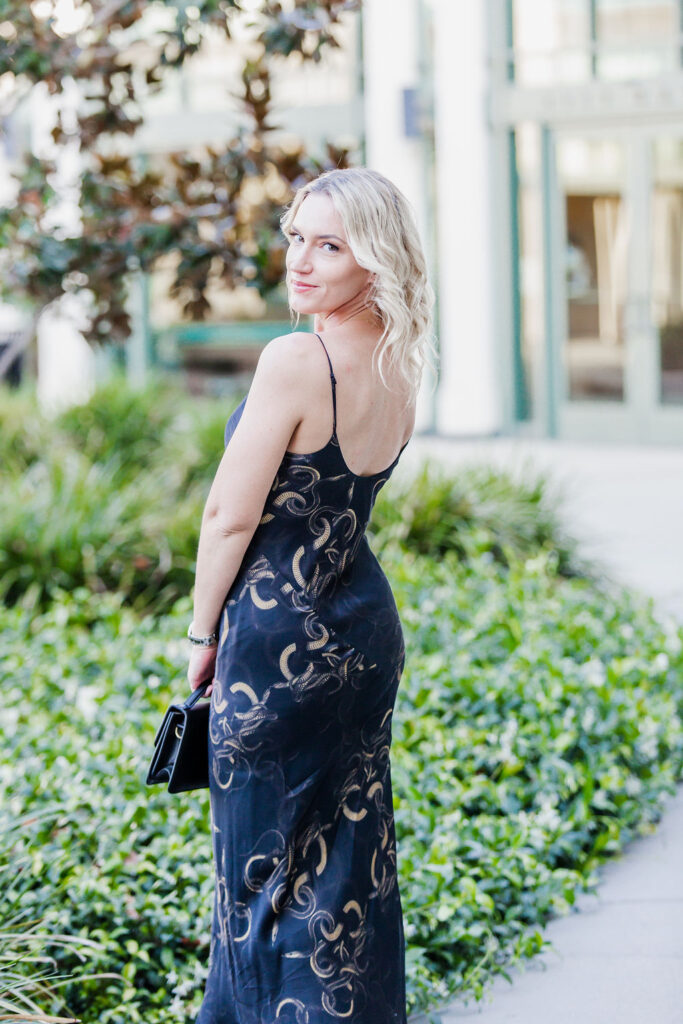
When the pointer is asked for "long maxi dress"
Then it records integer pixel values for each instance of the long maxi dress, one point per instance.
(307, 925)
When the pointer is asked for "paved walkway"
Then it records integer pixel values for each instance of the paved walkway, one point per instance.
(620, 959)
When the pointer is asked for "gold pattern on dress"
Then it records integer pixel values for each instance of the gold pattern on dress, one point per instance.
(354, 815)
(339, 957)
(261, 602)
(224, 632)
(217, 699)
(319, 868)
(234, 917)
(324, 536)
(300, 1011)
(313, 625)
(284, 658)
(245, 688)
(296, 572)
(293, 862)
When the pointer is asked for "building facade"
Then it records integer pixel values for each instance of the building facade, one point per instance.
(541, 145)
(548, 170)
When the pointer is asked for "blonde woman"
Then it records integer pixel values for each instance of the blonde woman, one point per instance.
(297, 633)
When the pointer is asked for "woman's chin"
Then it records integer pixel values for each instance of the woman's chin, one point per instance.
(303, 304)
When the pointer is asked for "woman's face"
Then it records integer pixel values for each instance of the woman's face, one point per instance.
(322, 274)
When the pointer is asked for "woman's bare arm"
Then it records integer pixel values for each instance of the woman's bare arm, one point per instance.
(273, 409)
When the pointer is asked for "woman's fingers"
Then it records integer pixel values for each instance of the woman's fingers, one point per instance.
(202, 666)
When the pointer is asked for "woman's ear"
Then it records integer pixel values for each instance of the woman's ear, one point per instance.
(370, 282)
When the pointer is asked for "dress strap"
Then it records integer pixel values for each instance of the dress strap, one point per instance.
(334, 386)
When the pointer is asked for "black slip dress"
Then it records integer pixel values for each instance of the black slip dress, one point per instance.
(307, 925)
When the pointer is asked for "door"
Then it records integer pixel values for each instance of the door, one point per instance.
(615, 288)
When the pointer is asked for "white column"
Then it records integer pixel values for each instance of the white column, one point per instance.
(66, 364)
(391, 56)
(468, 400)
(390, 65)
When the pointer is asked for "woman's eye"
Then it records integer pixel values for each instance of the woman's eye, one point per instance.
(333, 248)
(294, 236)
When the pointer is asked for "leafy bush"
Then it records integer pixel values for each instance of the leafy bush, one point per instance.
(110, 495)
(436, 511)
(27, 971)
(67, 522)
(25, 434)
(121, 422)
(538, 727)
(538, 730)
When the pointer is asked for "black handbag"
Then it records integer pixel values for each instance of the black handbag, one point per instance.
(181, 745)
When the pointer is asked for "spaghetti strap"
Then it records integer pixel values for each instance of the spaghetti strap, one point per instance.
(334, 387)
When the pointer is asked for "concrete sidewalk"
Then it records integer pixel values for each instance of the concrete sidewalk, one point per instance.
(620, 959)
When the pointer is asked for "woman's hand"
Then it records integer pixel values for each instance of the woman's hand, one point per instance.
(202, 666)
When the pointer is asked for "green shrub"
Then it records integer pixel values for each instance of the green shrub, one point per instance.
(435, 511)
(121, 423)
(538, 728)
(538, 725)
(68, 522)
(114, 501)
(28, 974)
(109, 495)
(25, 434)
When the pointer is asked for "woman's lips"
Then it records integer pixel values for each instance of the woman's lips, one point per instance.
(299, 286)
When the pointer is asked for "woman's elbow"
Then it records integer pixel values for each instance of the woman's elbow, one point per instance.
(222, 523)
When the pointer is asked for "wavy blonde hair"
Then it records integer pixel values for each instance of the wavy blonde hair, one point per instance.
(382, 234)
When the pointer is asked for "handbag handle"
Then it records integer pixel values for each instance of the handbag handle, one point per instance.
(196, 694)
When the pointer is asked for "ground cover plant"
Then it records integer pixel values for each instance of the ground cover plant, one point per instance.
(538, 729)
(538, 725)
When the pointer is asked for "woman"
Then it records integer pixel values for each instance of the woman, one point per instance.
(306, 651)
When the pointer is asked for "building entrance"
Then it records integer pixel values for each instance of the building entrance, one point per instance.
(614, 260)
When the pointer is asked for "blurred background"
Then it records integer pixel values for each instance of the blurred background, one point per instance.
(541, 145)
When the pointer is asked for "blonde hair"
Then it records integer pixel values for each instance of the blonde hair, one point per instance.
(382, 234)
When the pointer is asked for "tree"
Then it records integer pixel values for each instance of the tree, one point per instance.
(196, 205)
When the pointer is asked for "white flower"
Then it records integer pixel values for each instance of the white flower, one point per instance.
(633, 785)
(661, 662)
(647, 740)
(588, 719)
(200, 971)
(85, 702)
(594, 671)
(176, 1007)
(507, 739)
(547, 817)
(8, 719)
(171, 978)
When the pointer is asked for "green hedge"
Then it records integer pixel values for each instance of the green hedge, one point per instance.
(109, 495)
(538, 728)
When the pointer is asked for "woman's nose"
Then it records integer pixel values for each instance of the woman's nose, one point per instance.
(300, 260)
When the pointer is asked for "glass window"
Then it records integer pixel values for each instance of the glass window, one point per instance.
(591, 174)
(637, 38)
(551, 41)
(667, 265)
(565, 41)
